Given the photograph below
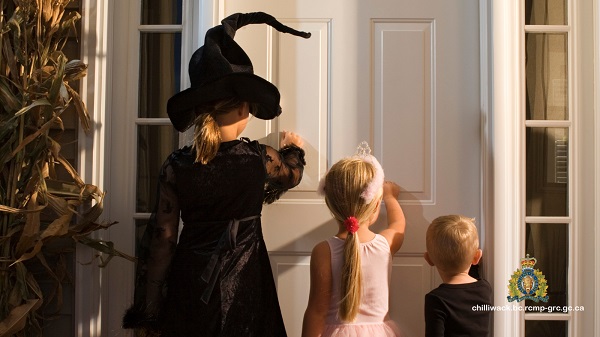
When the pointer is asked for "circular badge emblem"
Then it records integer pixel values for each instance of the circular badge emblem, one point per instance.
(528, 283)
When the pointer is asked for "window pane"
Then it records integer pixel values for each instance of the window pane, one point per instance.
(161, 12)
(546, 76)
(140, 228)
(546, 329)
(160, 64)
(546, 169)
(545, 12)
(548, 243)
(155, 143)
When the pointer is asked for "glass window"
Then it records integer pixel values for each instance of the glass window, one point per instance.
(161, 12)
(547, 158)
(160, 66)
(545, 12)
(546, 171)
(546, 329)
(155, 143)
(140, 228)
(548, 243)
(546, 74)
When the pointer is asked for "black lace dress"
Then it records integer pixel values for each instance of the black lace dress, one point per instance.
(216, 280)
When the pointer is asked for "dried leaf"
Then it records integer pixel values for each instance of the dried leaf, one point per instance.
(17, 317)
(57, 83)
(9, 234)
(59, 205)
(24, 257)
(31, 137)
(45, 9)
(58, 227)
(57, 272)
(54, 146)
(62, 188)
(75, 70)
(84, 117)
(106, 247)
(39, 102)
(9, 101)
(31, 229)
(71, 170)
(12, 210)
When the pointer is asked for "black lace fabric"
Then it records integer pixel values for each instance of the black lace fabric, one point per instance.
(215, 280)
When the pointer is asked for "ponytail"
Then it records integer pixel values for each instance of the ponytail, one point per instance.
(351, 282)
(343, 187)
(207, 135)
(207, 138)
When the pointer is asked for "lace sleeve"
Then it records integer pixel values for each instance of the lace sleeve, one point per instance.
(155, 252)
(284, 170)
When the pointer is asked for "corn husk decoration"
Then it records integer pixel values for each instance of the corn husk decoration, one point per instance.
(35, 206)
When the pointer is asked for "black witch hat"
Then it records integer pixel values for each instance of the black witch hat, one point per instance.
(221, 69)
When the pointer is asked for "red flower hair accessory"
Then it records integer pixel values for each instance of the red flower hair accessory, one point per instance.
(351, 224)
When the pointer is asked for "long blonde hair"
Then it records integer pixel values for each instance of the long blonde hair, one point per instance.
(344, 184)
(207, 135)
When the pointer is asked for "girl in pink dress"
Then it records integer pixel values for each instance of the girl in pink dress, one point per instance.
(350, 272)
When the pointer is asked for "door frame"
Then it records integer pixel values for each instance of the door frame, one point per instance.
(94, 154)
(100, 300)
(500, 92)
(507, 96)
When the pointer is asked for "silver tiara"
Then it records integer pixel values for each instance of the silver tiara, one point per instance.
(363, 149)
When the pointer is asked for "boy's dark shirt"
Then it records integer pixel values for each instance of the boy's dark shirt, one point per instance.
(449, 310)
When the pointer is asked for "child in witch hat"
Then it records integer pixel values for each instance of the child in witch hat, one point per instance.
(216, 279)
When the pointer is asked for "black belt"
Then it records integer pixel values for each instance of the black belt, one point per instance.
(226, 242)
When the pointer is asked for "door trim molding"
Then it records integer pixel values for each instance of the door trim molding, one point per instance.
(506, 97)
(94, 152)
(596, 93)
(486, 184)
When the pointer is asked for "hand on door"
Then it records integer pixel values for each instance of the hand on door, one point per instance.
(289, 138)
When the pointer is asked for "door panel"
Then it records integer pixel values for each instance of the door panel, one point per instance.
(403, 75)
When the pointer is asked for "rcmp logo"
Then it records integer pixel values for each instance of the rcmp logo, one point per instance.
(527, 283)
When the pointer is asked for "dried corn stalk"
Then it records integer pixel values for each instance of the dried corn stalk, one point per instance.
(35, 207)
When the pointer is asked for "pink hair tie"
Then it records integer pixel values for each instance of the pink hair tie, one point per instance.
(351, 224)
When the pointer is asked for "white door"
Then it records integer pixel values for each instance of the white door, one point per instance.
(403, 75)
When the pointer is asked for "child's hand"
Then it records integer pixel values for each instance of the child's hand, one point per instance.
(392, 189)
(291, 138)
(394, 233)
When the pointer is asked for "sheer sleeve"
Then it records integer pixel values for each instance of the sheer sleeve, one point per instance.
(155, 252)
(284, 170)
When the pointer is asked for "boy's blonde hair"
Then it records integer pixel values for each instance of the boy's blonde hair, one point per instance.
(344, 184)
(452, 242)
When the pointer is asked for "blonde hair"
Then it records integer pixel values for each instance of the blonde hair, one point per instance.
(344, 184)
(452, 242)
(207, 135)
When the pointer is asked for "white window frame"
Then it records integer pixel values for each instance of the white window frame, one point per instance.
(109, 47)
(509, 212)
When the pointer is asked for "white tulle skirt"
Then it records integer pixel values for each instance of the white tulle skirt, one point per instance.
(383, 329)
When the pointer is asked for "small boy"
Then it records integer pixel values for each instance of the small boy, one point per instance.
(451, 309)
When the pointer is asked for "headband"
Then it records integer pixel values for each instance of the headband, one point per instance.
(363, 152)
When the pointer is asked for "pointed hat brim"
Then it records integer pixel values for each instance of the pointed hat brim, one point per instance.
(244, 86)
